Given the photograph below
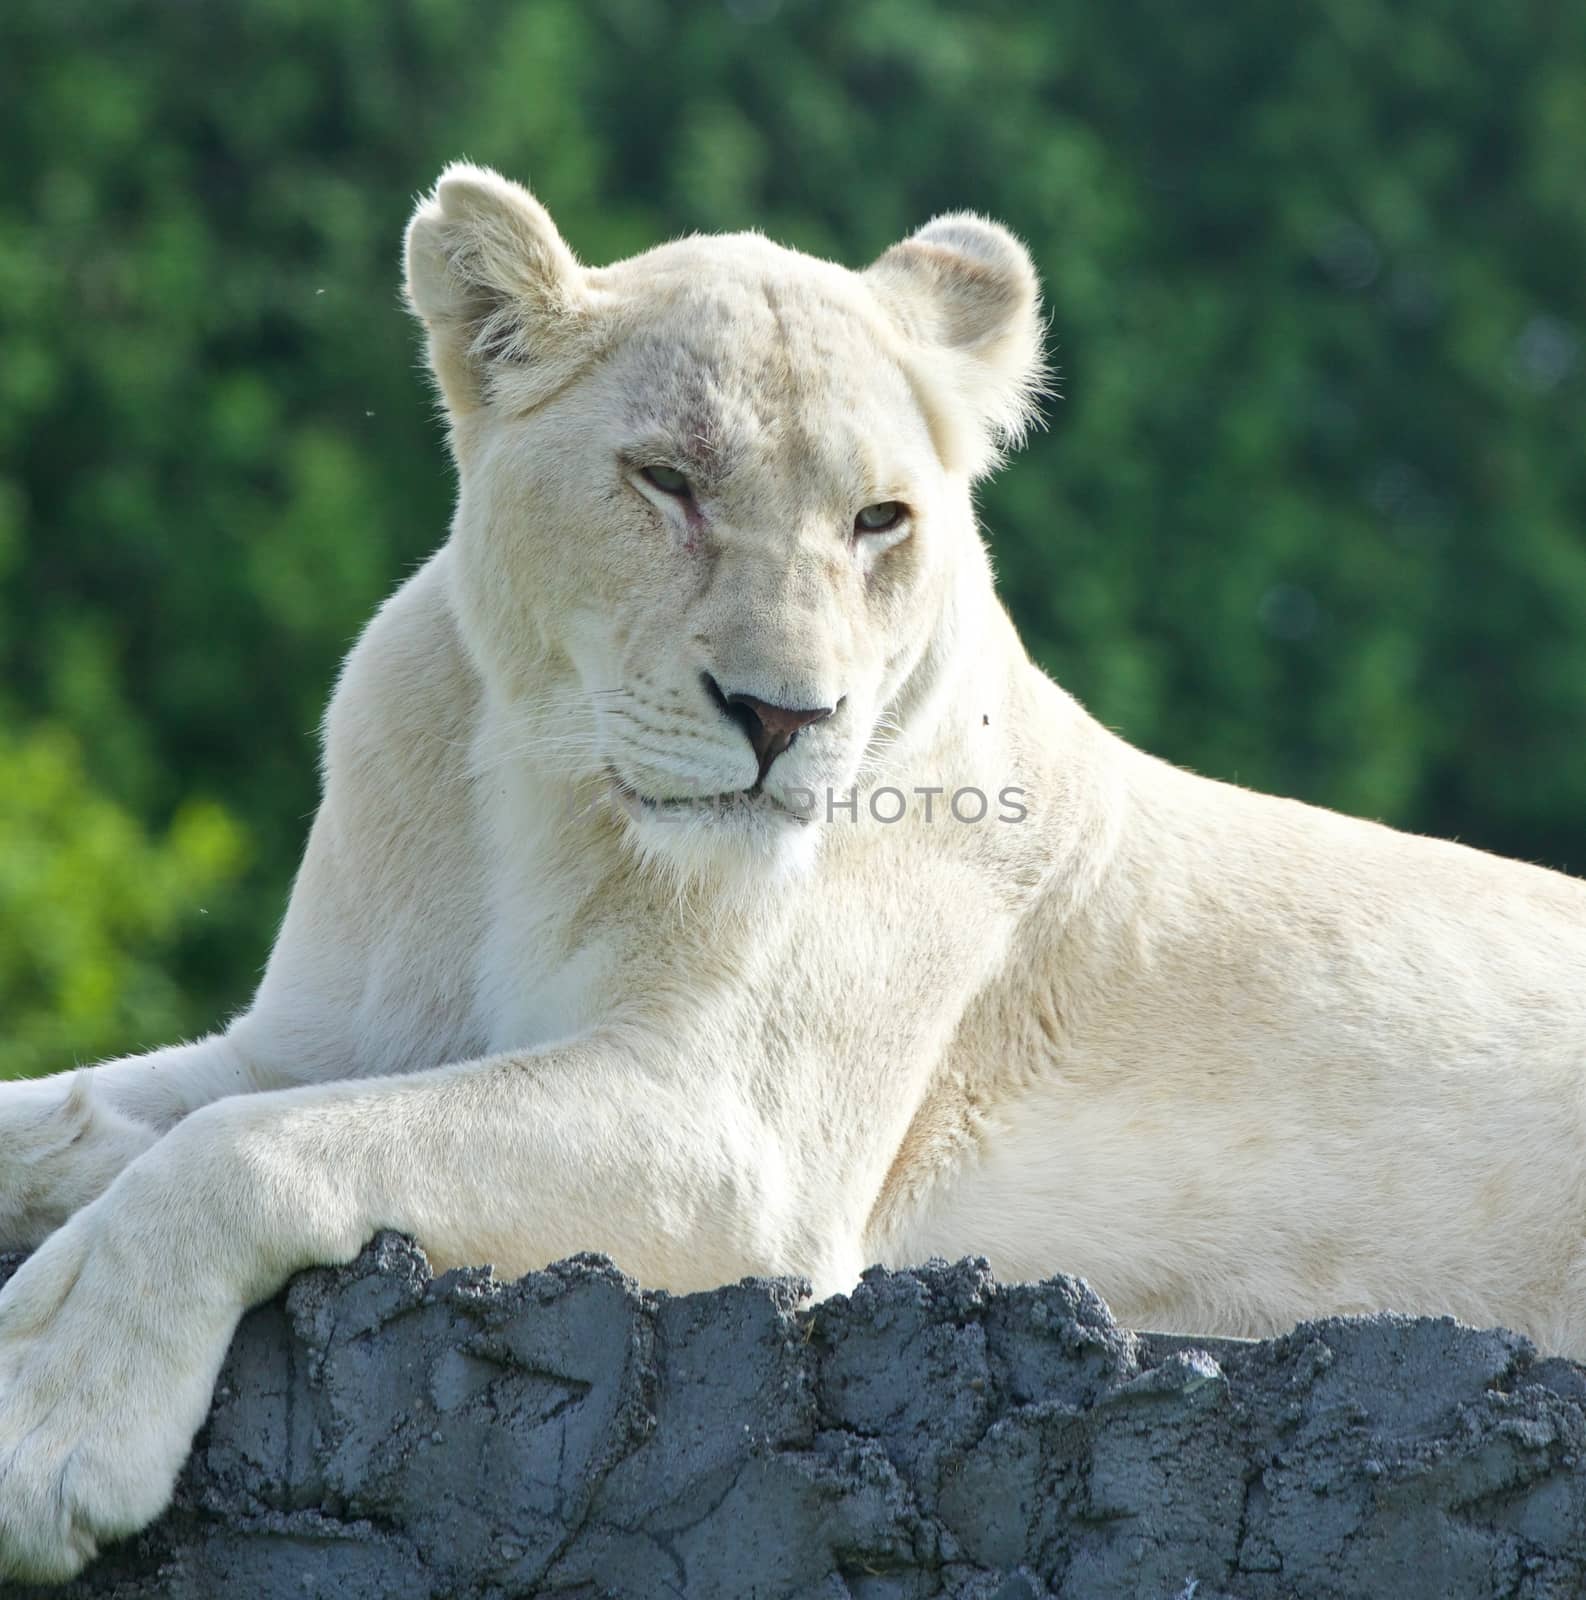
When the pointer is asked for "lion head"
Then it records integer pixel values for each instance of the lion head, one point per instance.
(714, 502)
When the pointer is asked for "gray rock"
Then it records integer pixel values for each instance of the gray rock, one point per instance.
(381, 1433)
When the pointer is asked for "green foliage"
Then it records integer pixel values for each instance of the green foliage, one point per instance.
(98, 907)
(1309, 515)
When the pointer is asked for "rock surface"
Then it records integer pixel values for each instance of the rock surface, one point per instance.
(379, 1434)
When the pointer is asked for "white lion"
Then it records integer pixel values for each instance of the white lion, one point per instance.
(604, 940)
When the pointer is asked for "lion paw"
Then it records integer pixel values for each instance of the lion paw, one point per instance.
(61, 1146)
(101, 1391)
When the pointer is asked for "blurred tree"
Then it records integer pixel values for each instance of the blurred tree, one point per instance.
(100, 908)
(1310, 515)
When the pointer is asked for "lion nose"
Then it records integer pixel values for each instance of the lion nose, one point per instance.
(770, 729)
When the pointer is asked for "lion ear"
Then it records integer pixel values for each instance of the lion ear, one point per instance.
(965, 289)
(501, 296)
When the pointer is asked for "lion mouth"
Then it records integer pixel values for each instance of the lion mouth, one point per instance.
(753, 801)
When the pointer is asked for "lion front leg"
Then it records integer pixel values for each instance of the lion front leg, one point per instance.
(65, 1139)
(112, 1334)
(61, 1145)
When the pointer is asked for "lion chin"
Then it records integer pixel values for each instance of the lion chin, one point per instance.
(738, 843)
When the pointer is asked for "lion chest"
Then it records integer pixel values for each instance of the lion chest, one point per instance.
(542, 972)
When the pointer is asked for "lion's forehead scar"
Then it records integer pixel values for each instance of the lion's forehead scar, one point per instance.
(712, 403)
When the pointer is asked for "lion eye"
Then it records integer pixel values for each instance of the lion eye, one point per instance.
(668, 480)
(881, 516)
